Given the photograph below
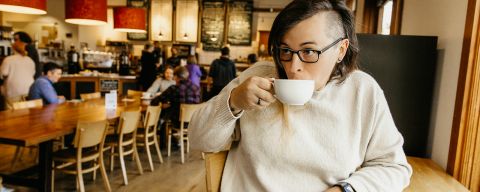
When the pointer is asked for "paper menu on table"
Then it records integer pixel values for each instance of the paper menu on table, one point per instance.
(111, 100)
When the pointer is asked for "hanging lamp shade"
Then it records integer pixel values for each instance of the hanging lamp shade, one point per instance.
(34, 7)
(128, 19)
(86, 12)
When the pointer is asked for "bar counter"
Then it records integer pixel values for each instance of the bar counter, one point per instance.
(71, 86)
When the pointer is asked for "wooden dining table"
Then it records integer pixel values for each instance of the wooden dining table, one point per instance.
(40, 126)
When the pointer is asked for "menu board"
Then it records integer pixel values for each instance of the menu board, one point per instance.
(108, 85)
(240, 22)
(213, 22)
(140, 4)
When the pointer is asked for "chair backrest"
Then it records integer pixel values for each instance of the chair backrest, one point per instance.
(87, 96)
(27, 104)
(129, 121)
(90, 134)
(133, 93)
(214, 164)
(152, 115)
(187, 110)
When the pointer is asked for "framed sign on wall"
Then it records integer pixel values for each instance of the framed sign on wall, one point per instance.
(240, 14)
(213, 24)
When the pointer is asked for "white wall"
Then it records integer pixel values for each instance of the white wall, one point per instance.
(445, 19)
(32, 24)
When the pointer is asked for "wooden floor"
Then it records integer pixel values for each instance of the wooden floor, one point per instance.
(169, 176)
(174, 176)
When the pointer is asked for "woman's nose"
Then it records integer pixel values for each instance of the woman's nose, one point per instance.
(296, 65)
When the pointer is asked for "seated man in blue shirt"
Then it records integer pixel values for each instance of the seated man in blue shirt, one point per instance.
(43, 89)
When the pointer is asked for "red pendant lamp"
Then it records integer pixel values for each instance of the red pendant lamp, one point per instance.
(128, 19)
(34, 7)
(86, 12)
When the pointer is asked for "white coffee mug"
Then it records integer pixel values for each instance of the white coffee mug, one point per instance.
(293, 92)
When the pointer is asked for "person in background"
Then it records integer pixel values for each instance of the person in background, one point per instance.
(193, 70)
(162, 84)
(31, 51)
(222, 71)
(174, 60)
(43, 88)
(184, 91)
(343, 139)
(17, 72)
(158, 54)
(148, 73)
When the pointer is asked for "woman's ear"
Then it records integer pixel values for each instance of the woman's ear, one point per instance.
(343, 49)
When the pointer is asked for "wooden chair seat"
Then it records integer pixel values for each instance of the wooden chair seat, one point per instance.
(88, 96)
(147, 133)
(126, 137)
(186, 112)
(88, 147)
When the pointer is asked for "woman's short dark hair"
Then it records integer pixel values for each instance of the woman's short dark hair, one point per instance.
(50, 66)
(23, 37)
(342, 22)
(225, 51)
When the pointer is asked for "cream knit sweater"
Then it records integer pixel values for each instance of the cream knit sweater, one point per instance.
(344, 133)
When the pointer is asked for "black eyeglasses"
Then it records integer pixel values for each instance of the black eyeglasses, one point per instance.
(305, 55)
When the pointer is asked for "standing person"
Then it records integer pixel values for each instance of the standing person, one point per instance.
(30, 49)
(158, 54)
(343, 139)
(162, 83)
(193, 70)
(148, 74)
(174, 60)
(43, 86)
(222, 71)
(17, 71)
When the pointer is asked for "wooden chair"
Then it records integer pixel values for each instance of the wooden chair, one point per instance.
(127, 134)
(87, 96)
(88, 147)
(134, 93)
(19, 150)
(27, 104)
(186, 112)
(214, 164)
(147, 135)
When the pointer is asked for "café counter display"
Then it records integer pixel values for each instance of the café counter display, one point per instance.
(71, 86)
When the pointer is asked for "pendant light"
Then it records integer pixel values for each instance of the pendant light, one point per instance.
(129, 19)
(86, 12)
(34, 7)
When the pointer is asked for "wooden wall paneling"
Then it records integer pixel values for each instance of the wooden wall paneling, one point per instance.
(464, 154)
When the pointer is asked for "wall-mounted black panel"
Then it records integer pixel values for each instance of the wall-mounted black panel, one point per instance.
(405, 67)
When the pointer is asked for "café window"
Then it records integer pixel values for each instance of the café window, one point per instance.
(385, 18)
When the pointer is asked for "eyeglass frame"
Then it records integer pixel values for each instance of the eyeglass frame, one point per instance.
(319, 52)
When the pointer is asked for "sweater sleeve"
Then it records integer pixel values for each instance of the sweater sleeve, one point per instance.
(155, 86)
(48, 93)
(385, 167)
(212, 126)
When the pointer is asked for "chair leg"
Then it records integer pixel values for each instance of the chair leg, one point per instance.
(169, 142)
(16, 157)
(122, 164)
(188, 145)
(112, 157)
(147, 147)
(53, 177)
(182, 148)
(157, 147)
(94, 176)
(203, 155)
(80, 176)
(106, 182)
(137, 158)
